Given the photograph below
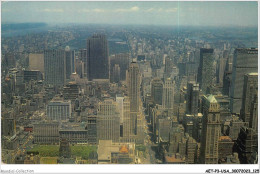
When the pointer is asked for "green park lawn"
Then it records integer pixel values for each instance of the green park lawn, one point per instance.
(82, 151)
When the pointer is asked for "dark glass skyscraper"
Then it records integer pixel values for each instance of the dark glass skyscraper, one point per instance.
(55, 67)
(69, 62)
(192, 103)
(206, 70)
(245, 61)
(97, 57)
(157, 91)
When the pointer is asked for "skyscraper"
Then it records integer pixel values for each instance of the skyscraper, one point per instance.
(115, 76)
(82, 55)
(211, 128)
(227, 77)
(54, 67)
(97, 57)
(36, 62)
(69, 62)
(168, 67)
(192, 102)
(108, 121)
(245, 61)
(249, 92)
(157, 91)
(122, 60)
(168, 94)
(134, 83)
(253, 123)
(220, 70)
(206, 70)
(127, 119)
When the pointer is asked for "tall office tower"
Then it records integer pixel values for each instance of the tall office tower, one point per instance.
(134, 83)
(253, 123)
(80, 68)
(92, 129)
(59, 110)
(168, 67)
(122, 59)
(206, 69)
(69, 62)
(157, 91)
(220, 70)
(115, 76)
(82, 55)
(168, 94)
(9, 60)
(211, 128)
(36, 62)
(250, 90)
(191, 151)
(227, 77)
(176, 134)
(108, 121)
(245, 61)
(192, 103)
(73, 58)
(97, 57)
(128, 128)
(246, 142)
(120, 105)
(225, 146)
(54, 67)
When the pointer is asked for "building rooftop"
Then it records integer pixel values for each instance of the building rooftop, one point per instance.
(224, 138)
(253, 74)
(212, 99)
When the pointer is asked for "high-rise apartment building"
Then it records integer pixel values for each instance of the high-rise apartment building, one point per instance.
(206, 69)
(97, 57)
(168, 94)
(54, 67)
(211, 129)
(157, 91)
(192, 102)
(245, 61)
(108, 121)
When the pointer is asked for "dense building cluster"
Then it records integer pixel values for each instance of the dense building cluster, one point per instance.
(172, 100)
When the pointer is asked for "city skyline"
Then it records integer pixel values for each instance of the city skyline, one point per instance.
(176, 13)
(129, 83)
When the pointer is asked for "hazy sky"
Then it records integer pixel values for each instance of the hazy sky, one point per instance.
(157, 13)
